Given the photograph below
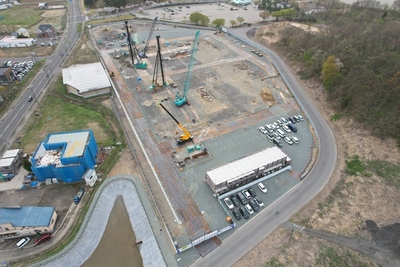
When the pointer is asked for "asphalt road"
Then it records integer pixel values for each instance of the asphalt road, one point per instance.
(257, 229)
(13, 119)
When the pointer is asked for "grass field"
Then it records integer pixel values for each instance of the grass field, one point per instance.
(59, 114)
(18, 16)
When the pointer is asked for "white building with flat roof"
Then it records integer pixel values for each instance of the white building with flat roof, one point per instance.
(12, 41)
(246, 170)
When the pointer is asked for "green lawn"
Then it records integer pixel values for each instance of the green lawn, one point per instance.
(20, 16)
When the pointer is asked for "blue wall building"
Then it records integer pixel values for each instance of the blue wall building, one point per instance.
(65, 156)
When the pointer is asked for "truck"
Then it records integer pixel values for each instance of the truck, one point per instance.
(78, 197)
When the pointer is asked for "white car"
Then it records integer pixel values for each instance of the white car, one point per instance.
(262, 187)
(270, 128)
(228, 203)
(249, 209)
(276, 135)
(288, 140)
(286, 129)
(281, 133)
(276, 125)
(258, 201)
(246, 194)
(300, 117)
(262, 129)
(295, 139)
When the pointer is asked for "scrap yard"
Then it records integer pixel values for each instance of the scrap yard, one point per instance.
(197, 102)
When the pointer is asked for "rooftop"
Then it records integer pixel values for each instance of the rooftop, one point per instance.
(26, 216)
(11, 153)
(86, 77)
(245, 165)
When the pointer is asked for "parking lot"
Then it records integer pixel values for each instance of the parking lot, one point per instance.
(19, 69)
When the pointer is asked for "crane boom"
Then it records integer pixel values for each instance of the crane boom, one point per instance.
(184, 137)
(139, 64)
(182, 99)
(142, 54)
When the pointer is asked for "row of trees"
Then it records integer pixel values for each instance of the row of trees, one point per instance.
(357, 57)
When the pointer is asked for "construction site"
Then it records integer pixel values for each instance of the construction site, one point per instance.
(197, 99)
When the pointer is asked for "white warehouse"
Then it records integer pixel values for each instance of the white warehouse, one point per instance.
(246, 170)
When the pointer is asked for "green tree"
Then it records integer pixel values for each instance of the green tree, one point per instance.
(218, 22)
(88, 3)
(330, 72)
(199, 19)
(264, 15)
(233, 22)
(288, 13)
(240, 20)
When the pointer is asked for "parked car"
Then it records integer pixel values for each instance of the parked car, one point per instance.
(246, 194)
(297, 118)
(269, 128)
(288, 140)
(252, 192)
(276, 136)
(236, 214)
(43, 238)
(292, 120)
(292, 127)
(284, 120)
(280, 122)
(276, 125)
(262, 129)
(270, 136)
(228, 203)
(241, 197)
(277, 142)
(249, 209)
(286, 128)
(295, 139)
(281, 133)
(258, 201)
(235, 201)
(262, 187)
(254, 205)
(244, 213)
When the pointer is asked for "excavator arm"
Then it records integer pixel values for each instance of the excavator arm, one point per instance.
(184, 137)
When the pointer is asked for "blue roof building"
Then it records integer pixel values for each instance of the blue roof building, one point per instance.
(65, 156)
(25, 221)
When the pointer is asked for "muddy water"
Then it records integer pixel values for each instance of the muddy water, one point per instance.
(117, 247)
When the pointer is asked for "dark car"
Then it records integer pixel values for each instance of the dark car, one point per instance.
(252, 192)
(254, 205)
(277, 142)
(43, 238)
(244, 212)
(236, 214)
(292, 120)
(30, 99)
(235, 201)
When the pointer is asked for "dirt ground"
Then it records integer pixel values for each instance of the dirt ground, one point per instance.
(362, 198)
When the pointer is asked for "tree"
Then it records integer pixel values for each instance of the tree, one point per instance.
(264, 15)
(288, 13)
(240, 20)
(330, 72)
(218, 22)
(233, 22)
(88, 3)
(199, 18)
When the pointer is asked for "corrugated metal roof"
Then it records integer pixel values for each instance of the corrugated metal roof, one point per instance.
(6, 162)
(26, 216)
(86, 77)
(11, 153)
(76, 142)
(246, 165)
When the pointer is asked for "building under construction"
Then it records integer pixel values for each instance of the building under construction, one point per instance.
(246, 170)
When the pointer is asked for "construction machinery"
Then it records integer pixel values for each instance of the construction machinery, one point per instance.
(139, 64)
(155, 84)
(181, 100)
(184, 137)
(142, 53)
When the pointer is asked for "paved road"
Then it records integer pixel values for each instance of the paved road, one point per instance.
(11, 122)
(252, 233)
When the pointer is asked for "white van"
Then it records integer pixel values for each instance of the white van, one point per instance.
(23, 242)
